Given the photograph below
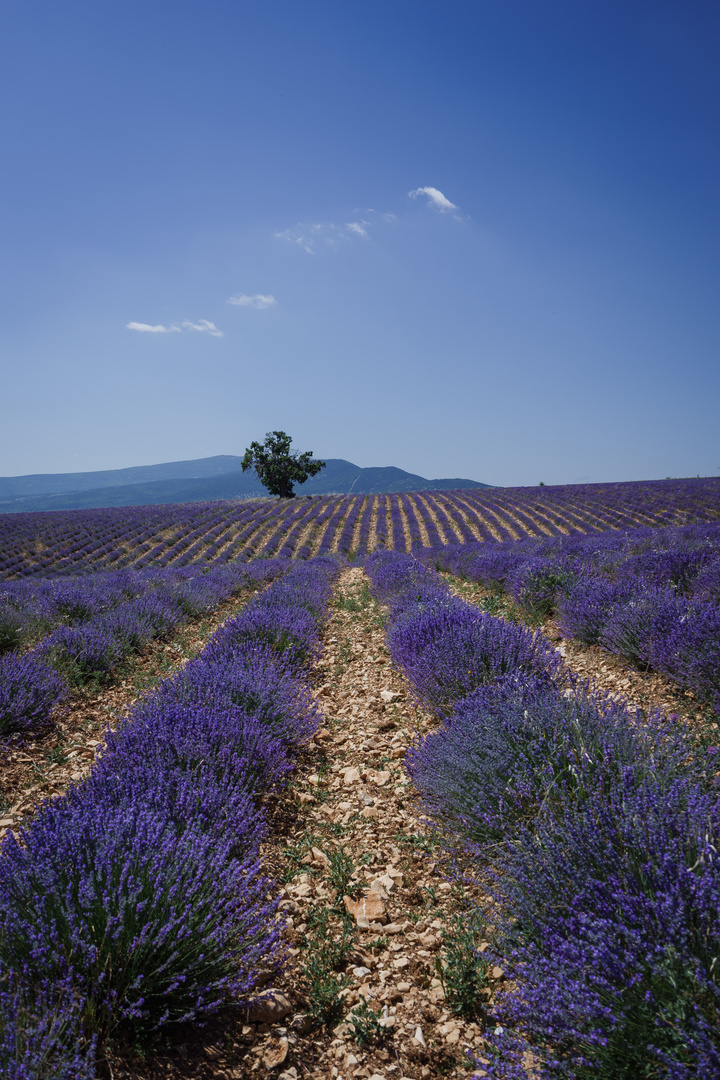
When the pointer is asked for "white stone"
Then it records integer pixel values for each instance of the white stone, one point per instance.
(389, 696)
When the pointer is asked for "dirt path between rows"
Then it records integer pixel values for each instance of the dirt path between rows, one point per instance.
(359, 830)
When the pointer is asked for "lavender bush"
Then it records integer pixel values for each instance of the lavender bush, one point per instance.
(536, 584)
(39, 1035)
(706, 585)
(584, 610)
(510, 749)
(29, 692)
(14, 629)
(150, 919)
(446, 647)
(220, 748)
(449, 649)
(253, 678)
(616, 910)
(688, 651)
(83, 655)
(634, 629)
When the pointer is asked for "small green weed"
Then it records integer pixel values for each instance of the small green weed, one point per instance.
(341, 871)
(348, 602)
(334, 828)
(417, 841)
(432, 895)
(465, 973)
(366, 1025)
(56, 756)
(294, 855)
(492, 605)
(325, 954)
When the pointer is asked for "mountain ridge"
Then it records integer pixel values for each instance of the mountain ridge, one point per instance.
(199, 480)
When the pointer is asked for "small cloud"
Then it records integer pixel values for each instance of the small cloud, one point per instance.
(322, 234)
(259, 300)
(204, 326)
(357, 227)
(146, 328)
(435, 197)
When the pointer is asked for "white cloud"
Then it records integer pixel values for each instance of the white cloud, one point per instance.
(146, 328)
(435, 197)
(204, 326)
(259, 301)
(322, 234)
(357, 227)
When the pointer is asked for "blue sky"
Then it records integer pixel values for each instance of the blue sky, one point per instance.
(559, 321)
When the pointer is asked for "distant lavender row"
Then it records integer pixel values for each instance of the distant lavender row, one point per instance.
(139, 899)
(651, 596)
(32, 607)
(78, 541)
(106, 618)
(599, 829)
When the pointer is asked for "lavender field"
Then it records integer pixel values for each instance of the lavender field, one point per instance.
(78, 541)
(138, 900)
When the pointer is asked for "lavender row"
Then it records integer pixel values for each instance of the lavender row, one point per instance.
(31, 608)
(138, 900)
(598, 829)
(73, 541)
(106, 619)
(651, 596)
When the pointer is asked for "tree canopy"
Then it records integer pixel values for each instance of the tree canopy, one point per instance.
(277, 468)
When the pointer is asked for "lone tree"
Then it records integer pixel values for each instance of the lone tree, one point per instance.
(276, 467)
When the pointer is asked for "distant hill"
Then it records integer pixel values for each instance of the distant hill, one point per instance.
(21, 487)
(201, 480)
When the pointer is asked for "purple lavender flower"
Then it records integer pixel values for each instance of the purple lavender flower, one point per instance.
(253, 678)
(41, 1036)
(509, 749)
(29, 692)
(151, 919)
(584, 610)
(82, 654)
(614, 912)
(448, 649)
